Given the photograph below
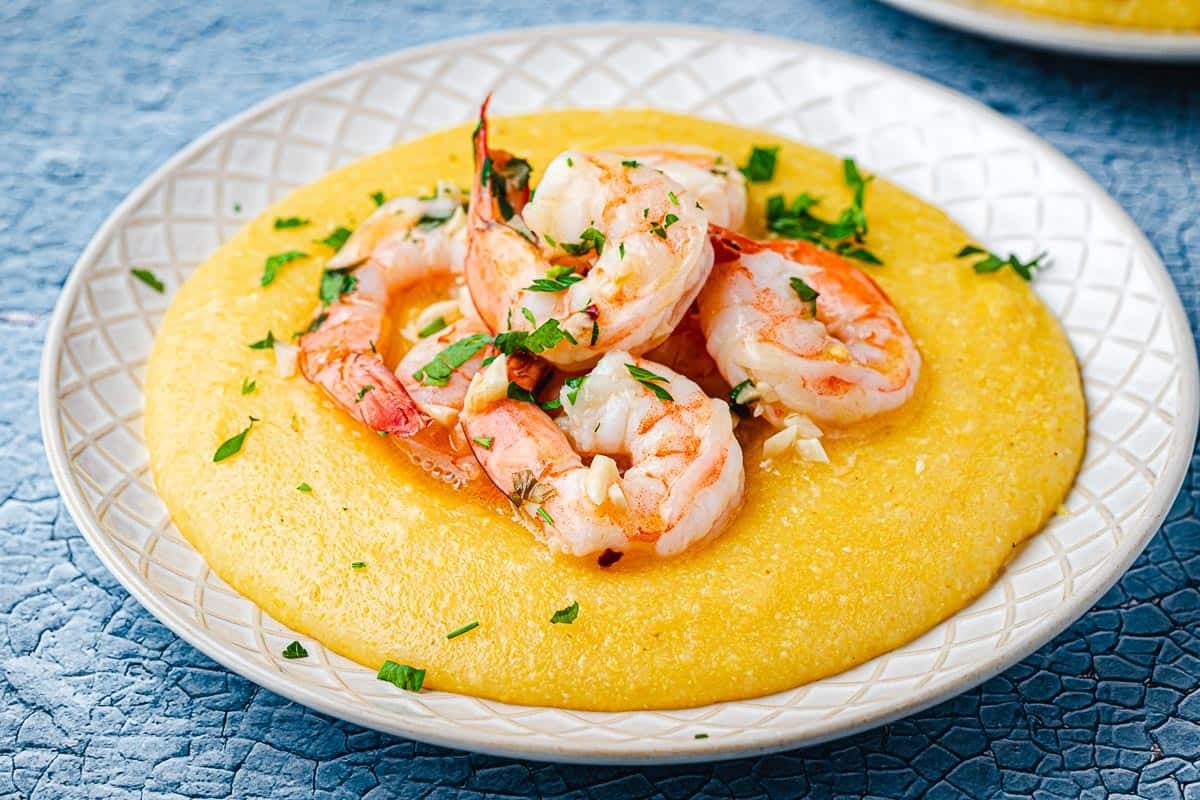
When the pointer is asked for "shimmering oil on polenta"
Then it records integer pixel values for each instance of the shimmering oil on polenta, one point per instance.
(1178, 15)
(824, 567)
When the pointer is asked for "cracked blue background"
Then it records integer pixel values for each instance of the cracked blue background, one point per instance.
(99, 700)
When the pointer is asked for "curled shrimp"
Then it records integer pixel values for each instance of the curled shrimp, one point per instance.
(799, 330)
(684, 478)
(613, 251)
(708, 176)
(406, 241)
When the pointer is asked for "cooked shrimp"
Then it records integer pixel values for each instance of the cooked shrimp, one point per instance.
(708, 176)
(809, 332)
(685, 352)
(614, 253)
(684, 478)
(405, 241)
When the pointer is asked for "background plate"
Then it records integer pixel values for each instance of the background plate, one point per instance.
(1013, 25)
(1013, 190)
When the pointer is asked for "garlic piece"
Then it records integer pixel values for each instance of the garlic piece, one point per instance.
(602, 475)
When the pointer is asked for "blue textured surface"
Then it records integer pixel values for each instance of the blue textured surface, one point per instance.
(101, 701)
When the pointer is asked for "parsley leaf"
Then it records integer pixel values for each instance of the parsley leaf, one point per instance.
(545, 515)
(378, 198)
(650, 380)
(795, 220)
(402, 676)
(437, 372)
(573, 385)
(248, 385)
(631, 163)
(807, 294)
(336, 239)
(484, 441)
(992, 262)
(735, 395)
(334, 284)
(303, 487)
(283, 223)
(470, 626)
(233, 444)
(565, 616)
(518, 392)
(273, 263)
(544, 337)
(295, 650)
(149, 278)
(265, 343)
(557, 279)
(358, 565)
(590, 239)
(760, 166)
(433, 327)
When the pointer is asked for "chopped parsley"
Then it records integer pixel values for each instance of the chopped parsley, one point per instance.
(570, 161)
(631, 163)
(429, 221)
(317, 322)
(363, 393)
(843, 235)
(470, 626)
(545, 515)
(334, 284)
(735, 395)
(518, 392)
(659, 229)
(992, 262)
(378, 198)
(295, 650)
(484, 441)
(760, 166)
(806, 293)
(565, 616)
(515, 172)
(433, 327)
(149, 278)
(234, 443)
(590, 239)
(544, 337)
(248, 385)
(336, 239)
(557, 279)
(265, 343)
(650, 380)
(526, 489)
(700, 736)
(621, 250)
(237, 208)
(673, 198)
(573, 384)
(273, 263)
(402, 676)
(438, 371)
(283, 223)
(303, 487)
(595, 333)
(358, 565)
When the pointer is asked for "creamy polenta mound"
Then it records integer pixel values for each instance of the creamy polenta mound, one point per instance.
(1166, 15)
(823, 567)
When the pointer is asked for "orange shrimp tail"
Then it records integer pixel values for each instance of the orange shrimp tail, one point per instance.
(496, 169)
(364, 386)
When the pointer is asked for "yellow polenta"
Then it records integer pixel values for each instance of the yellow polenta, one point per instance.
(1177, 15)
(824, 567)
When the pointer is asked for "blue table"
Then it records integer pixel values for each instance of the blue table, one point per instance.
(101, 701)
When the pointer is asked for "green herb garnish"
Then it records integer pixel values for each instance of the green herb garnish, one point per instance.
(303, 487)
(234, 443)
(630, 163)
(336, 239)
(545, 515)
(650, 380)
(621, 250)
(358, 565)
(573, 385)
(438, 371)
(992, 262)
(402, 676)
(295, 650)
(363, 393)
(265, 343)
(433, 327)
(470, 626)
(843, 236)
(248, 385)
(806, 293)
(544, 337)
(283, 223)
(700, 736)
(273, 263)
(565, 616)
(557, 279)
(484, 441)
(760, 166)
(735, 394)
(378, 198)
(590, 239)
(519, 392)
(149, 278)
(334, 284)
(526, 489)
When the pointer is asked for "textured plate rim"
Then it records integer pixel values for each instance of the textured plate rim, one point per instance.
(1018, 27)
(1140, 530)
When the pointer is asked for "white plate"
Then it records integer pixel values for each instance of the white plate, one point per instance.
(1107, 286)
(1052, 33)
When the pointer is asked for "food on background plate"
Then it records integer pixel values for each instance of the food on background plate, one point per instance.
(1160, 15)
(640, 411)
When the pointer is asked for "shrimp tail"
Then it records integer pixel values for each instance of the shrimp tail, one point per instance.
(364, 386)
(501, 186)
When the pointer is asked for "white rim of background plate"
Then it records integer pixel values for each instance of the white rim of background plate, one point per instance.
(1105, 283)
(1051, 33)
